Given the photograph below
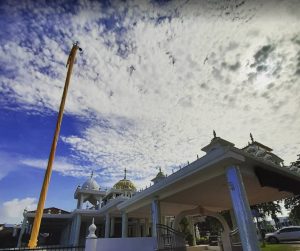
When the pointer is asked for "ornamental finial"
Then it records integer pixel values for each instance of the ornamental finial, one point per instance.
(92, 230)
(125, 171)
(251, 137)
(214, 132)
(92, 174)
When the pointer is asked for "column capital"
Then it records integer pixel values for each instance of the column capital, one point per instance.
(232, 166)
(156, 197)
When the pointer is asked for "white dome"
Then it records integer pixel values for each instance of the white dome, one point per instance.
(91, 184)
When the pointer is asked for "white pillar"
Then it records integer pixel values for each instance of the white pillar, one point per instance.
(100, 202)
(192, 229)
(72, 232)
(77, 229)
(138, 228)
(80, 202)
(242, 209)
(165, 220)
(112, 226)
(155, 213)
(24, 223)
(107, 225)
(146, 227)
(124, 225)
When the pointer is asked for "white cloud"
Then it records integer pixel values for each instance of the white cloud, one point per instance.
(178, 80)
(60, 165)
(11, 211)
(8, 163)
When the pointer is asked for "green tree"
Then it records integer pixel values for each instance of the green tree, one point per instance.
(184, 226)
(293, 203)
(210, 224)
(297, 162)
(267, 208)
(264, 209)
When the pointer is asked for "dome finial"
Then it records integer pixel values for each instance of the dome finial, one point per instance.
(125, 171)
(92, 230)
(214, 133)
(92, 174)
(251, 137)
(160, 169)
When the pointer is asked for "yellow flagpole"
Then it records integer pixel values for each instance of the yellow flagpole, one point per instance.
(40, 209)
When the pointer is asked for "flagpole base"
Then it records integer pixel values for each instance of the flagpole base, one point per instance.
(32, 243)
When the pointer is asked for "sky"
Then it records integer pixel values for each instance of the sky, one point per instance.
(155, 78)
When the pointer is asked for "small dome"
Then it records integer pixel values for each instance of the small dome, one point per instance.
(91, 184)
(160, 174)
(125, 184)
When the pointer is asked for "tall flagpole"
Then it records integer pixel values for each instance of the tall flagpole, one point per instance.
(40, 209)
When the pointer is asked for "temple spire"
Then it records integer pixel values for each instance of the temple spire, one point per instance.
(251, 137)
(125, 171)
(214, 133)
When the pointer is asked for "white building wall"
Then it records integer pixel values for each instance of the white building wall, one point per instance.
(122, 244)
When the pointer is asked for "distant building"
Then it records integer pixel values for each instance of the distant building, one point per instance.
(9, 235)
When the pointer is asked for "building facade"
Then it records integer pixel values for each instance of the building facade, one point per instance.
(225, 178)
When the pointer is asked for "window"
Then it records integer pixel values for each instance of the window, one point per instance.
(295, 229)
(290, 229)
(286, 230)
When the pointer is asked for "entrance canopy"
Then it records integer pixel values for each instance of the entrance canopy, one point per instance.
(203, 183)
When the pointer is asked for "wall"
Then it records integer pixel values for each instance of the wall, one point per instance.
(122, 244)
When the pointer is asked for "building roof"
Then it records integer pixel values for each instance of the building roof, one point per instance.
(265, 179)
(52, 210)
(260, 145)
(91, 184)
(216, 142)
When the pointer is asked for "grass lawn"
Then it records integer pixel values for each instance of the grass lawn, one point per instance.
(280, 247)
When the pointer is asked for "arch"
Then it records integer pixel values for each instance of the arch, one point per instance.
(199, 211)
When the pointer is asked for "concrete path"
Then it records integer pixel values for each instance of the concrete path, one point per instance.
(203, 247)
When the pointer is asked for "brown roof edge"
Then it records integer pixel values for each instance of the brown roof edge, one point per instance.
(54, 210)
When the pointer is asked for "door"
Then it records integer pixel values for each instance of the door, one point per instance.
(285, 234)
(295, 233)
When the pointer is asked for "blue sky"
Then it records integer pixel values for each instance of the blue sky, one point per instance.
(153, 81)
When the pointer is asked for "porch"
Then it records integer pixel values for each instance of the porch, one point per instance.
(226, 178)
